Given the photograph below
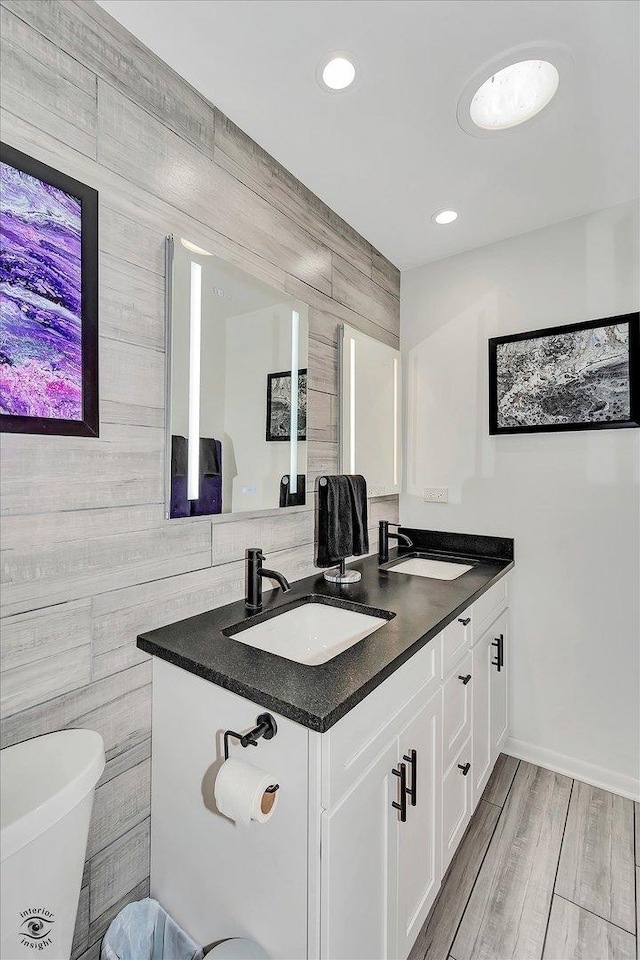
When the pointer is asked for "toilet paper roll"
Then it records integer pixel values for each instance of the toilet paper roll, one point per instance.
(241, 792)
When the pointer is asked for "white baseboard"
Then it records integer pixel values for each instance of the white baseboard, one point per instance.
(597, 776)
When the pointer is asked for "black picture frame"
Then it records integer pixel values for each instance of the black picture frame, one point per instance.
(89, 425)
(271, 436)
(634, 377)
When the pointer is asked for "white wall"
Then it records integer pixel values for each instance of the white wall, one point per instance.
(570, 500)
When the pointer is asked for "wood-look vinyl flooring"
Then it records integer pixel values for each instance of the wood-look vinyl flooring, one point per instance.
(546, 871)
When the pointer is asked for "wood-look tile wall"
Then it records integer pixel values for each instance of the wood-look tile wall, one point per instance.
(88, 560)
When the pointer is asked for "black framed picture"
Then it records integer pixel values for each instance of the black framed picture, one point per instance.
(279, 405)
(49, 302)
(582, 376)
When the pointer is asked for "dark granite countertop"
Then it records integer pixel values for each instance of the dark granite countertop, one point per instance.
(318, 696)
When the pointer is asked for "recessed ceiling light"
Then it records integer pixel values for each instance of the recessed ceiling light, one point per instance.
(336, 73)
(444, 216)
(514, 94)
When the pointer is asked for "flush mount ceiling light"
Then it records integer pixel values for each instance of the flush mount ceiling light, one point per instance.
(444, 216)
(514, 94)
(515, 88)
(336, 72)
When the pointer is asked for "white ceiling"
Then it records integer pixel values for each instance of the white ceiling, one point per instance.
(389, 152)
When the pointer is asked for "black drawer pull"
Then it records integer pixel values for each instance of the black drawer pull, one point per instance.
(412, 790)
(466, 679)
(465, 621)
(402, 806)
(498, 663)
(465, 767)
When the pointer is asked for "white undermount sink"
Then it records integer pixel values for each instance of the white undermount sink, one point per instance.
(434, 569)
(310, 632)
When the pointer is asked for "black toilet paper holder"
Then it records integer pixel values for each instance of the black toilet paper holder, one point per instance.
(266, 728)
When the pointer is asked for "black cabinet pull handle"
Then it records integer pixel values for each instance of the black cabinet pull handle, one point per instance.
(466, 679)
(402, 806)
(465, 621)
(498, 643)
(465, 767)
(412, 790)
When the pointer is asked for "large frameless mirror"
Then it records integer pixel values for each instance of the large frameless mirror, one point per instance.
(237, 381)
(370, 411)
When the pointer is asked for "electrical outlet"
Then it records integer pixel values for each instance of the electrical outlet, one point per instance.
(436, 494)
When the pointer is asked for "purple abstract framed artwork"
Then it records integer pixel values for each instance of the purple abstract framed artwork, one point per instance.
(48, 300)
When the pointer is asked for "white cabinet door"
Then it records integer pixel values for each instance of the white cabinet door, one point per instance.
(498, 685)
(419, 854)
(456, 802)
(359, 866)
(489, 701)
(481, 670)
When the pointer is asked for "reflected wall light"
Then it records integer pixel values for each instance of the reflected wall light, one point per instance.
(195, 330)
(293, 429)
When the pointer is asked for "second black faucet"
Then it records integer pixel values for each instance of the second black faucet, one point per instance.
(383, 540)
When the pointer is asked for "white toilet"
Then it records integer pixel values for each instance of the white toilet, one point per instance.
(46, 795)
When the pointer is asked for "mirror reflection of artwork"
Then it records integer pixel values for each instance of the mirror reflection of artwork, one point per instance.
(279, 405)
(49, 303)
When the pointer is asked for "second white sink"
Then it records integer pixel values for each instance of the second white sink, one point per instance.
(310, 632)
(434, 569)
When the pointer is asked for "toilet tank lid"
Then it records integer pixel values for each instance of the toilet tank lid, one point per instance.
(42, 779)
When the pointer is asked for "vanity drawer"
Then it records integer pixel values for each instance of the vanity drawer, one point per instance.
(350, 746)
(456, 713)
(456, 640)
(489, 606)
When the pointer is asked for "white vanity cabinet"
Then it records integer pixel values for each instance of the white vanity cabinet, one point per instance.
(380, 865)
(380, 874)
(339, 872)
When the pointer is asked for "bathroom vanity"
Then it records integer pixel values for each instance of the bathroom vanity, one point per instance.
(382, 753)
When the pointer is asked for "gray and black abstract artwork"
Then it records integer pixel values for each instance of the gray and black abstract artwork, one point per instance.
(279, 406)
(563, 378)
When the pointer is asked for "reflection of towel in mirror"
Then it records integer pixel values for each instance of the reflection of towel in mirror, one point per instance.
(179, 456)
(210, 478)
(210, 451)
(210, 499)
(342, 519)
(288, 499)
(179, 506)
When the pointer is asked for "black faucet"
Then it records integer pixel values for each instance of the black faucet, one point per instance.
(383, 540)
(255, 572)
